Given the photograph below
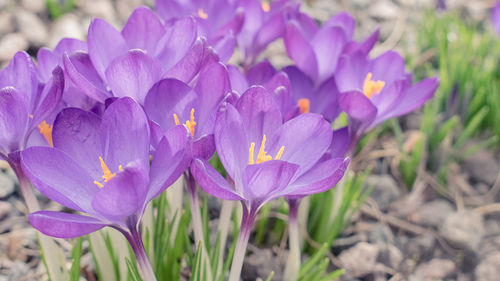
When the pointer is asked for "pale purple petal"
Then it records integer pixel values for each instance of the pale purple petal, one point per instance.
(260, 114)
(82, 73)
(211, 181)
(345, 21)
(262, 181)
(20, 73)
(328, 44)
(143, 30)
(231, 141)
(191, 63)
(59, 177)
(133, 74)
(357, 106)
(64, 225)
(305, 139)
(105, 43)
(124, 134)
(170, 160)
(123, 195)
(495, 17)
(13, 119)
(177, 41)
(76, 132)
(299, 49)
(48, 99)
(319, 178)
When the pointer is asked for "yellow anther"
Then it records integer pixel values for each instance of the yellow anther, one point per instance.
(190, 124)
(46, 131)
(262, 156)
(371, 87)
(202, 14)
(265, 6)
(252, 148)
(98, 184)
(107, 175)
(280, 152)
(303, 105)
(31, 116)
(176, 119)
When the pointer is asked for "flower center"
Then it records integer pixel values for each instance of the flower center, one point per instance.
(303, 105)
(262, 156)
(190, 124)
(107, 175)
(202, 14)
(265, 6)
(371, 87)
(46, 131)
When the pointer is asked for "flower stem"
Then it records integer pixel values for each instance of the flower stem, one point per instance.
(293, 261)
(197, 223)
(135, 240)
(247, 222)
(24, 184)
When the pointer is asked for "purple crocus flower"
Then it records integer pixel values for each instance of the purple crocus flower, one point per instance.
(101, 167)
(129, 62)
(495, 17)
(217, 20)
(264, 22)
(316, 50)
(266, 158)
(171, 102)
(25, 105)
(374, 90)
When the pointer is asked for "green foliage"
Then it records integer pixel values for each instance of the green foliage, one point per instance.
(326, 223)
(57, 8)
(315, 268)
(76, 254)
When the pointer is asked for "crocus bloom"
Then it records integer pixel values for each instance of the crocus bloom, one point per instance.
(264, 23)
(316, 50)
(25, 103)
(266, 158)
(171, 102)
(129, 62)
(218, 20)
(101, 167)
(495, 17)
(374, 90)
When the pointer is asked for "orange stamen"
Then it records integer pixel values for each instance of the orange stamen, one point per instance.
(262, 156)
(303, 105)
(46, 131)
(202, 14)
(371, 87)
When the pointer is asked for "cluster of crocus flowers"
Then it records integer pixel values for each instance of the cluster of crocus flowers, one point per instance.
(106, 125)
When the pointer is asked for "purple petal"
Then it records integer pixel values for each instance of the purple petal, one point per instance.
(262, 181)
(416, 96)
(82, 73)
(260, 114)
(20, 74)
(340, 143)
(388, 67)
(364, 47)
(325, 100)
(319, 178)
(170, 160)
(124, 194)
(47, 61)
(124, 134)
(70, 46)
(345, 21)
(224, 46)
(305, 138)
(59, 177)
(495, 17)
(76, 132)
(177, 41)
(211, 181)
(105, 43)
(49, 97)
(204, 147)
(212, 86)
(328, 44)
(351, 72)
(239, 82)
(143, 30)
(191, 63)
(302, 86)
(231, 141)
(261, 73)
(357, 106)
(299, 49)
(13, 119)
(133, 74)
(64, 225)
(167, 97)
